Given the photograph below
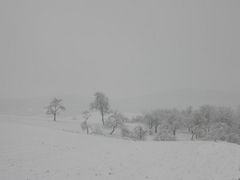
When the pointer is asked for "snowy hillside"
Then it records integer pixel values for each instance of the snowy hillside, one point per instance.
(38, 149)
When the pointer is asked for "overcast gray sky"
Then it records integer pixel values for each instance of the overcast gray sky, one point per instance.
(123, 48)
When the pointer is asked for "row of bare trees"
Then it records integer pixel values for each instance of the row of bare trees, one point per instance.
(100, 103)
(206, 122)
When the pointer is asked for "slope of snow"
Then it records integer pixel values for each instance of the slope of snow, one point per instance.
(39, 149)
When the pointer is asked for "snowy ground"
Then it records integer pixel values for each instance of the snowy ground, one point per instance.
(36, 149)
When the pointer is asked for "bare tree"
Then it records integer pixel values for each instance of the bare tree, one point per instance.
(209, 114)
(187, 115)
(149, 120)
(101, 104)
(158, 116)
(164, 119)
(115, 121)
(225, 115)
(139, 132)
(174, 120)
(84, 125)
(55, 107)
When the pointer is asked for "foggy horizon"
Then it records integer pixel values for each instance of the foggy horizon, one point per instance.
(125, 49)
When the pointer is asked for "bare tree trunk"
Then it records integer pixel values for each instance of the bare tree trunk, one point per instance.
(54, 117)
(140, 134)
(102, 117)
(208, 129)
(114, 127)
(174, 132)
(156, 128)
(87, 130)
(192, 135)
(150, 124)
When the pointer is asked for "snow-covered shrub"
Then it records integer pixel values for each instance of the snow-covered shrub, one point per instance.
(220, 136)
(164, 135)
(97, 130)
(116, 120)
(138, 119)
(108, 124)
(85, 126)
(223, 132)
(198, 132)
(217, 132)
(233, 138)
(150, 132)
(125, 132)
(139, 133)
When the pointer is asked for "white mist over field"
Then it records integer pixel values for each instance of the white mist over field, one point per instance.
(76, 104)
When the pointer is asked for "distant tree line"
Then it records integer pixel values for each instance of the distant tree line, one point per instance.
(204, 123)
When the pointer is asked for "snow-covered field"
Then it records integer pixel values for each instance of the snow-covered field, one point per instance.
(34, 148)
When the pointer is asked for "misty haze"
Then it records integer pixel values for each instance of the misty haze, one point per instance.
(119, 89)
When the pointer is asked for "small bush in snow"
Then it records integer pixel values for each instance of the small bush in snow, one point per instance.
(116, 120)
(223, 132)
(97, 130)
(138, 119)
(164, 135)
(233, 138)
(125, 132)
(84, 126)
(139, 133)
